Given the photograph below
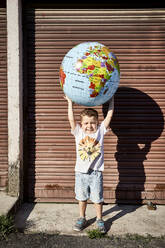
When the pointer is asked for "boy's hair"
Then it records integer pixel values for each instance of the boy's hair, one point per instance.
(89, 112)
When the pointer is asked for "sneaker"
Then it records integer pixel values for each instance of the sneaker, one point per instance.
(80, 224)
(101, 226)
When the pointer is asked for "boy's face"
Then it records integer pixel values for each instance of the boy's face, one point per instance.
(89, 124)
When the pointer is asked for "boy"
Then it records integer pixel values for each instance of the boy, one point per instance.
(89, 137)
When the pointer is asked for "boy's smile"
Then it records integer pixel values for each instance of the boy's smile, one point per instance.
(89, 124)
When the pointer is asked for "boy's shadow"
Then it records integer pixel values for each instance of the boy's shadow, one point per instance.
(137, 121)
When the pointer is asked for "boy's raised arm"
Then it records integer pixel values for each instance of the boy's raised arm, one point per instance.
(109, 113)
(70, 113)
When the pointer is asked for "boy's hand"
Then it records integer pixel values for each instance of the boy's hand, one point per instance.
(68, 99)
(111, 102)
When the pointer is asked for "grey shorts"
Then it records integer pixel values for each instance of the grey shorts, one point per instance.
(89, 186)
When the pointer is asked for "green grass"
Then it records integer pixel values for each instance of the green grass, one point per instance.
(137, 237)
(145, 240)
(95, 234)
(6, 226)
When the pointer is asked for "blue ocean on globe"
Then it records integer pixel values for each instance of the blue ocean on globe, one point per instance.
(89, 74)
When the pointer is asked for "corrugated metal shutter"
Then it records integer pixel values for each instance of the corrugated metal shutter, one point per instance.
(134, 151)
(3, 101)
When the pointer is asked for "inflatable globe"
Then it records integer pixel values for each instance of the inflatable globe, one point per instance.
(89, 74)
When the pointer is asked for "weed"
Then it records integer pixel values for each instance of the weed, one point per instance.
(95, 234)
(6, 226)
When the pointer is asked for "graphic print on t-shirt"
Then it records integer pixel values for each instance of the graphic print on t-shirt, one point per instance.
(89, 149)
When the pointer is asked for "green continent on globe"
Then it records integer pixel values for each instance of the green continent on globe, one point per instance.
(98, 65)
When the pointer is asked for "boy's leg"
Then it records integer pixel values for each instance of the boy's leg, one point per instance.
(81, 222)
(99, 209)
(82, 208)
(100, 223)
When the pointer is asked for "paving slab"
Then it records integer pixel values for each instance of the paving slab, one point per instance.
(119, 219)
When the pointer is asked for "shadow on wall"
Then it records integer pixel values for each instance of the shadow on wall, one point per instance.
(137, 122)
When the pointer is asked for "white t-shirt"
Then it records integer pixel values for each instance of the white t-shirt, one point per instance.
(89, 149)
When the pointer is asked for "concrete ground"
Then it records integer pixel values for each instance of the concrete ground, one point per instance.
(7, 203)
(119, 219)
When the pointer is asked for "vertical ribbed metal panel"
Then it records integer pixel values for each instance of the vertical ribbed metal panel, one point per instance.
(134, 149)
(3, 101)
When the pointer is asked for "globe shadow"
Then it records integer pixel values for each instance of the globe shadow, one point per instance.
(137, 122)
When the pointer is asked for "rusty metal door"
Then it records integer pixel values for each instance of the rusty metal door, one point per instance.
(3, 101)
(134, 149)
